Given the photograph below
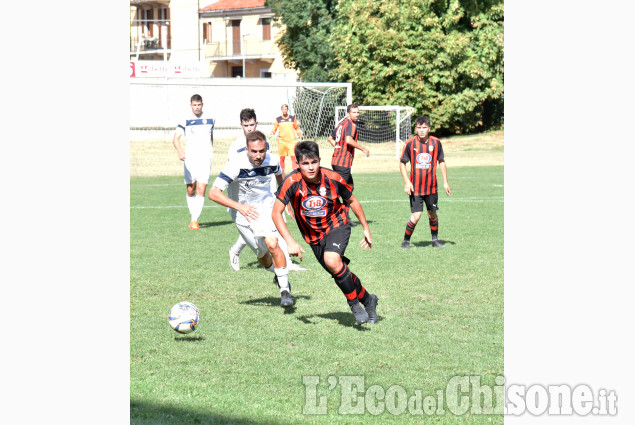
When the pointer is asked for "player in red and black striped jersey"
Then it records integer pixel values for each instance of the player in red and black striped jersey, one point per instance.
(423, 152)
(315, 192)
(344, 142)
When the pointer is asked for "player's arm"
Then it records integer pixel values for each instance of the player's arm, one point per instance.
(353, 143)
(408, 187)
(444, 173)
(176, 141)
(275, 128)
(354, 204)
(276, 215)
(216, 194)
(331, 140)
(296, 127)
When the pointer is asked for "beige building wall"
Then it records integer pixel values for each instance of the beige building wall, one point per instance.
(185, 30)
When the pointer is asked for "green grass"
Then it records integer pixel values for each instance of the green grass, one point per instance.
(440, 310)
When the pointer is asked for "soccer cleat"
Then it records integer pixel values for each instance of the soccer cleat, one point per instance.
(405, 244)
(193, 225)
(358, 311)
(437, 243)
(286, 300)
(234, 261)
(370, 306)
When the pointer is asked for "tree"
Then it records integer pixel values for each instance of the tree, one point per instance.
(305, 43)
(439, 56)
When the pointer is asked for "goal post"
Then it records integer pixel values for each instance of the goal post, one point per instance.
(382, 124)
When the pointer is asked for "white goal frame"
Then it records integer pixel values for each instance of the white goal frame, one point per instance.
(402, 121)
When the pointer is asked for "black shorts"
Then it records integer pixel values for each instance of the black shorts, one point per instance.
(335, 241)
(416, 202)
(345, 172)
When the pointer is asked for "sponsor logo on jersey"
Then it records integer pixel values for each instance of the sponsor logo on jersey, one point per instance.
(424, 160)
(314, 206)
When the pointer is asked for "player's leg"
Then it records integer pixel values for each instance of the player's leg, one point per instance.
(198, 199)
(336, 263)
(345, 173)
(280, 269)
(416, 208)
(290, 264)
(190, 188)
(433, 219)
(283, 153)
(234, 252)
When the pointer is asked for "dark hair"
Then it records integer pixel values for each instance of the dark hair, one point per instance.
(306, 149)
(256, 135)
(196, 98)
(247, 114)
(351, 106)
(423, 120)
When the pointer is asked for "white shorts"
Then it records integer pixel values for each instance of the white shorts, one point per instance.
(197, 171)
(257, 244)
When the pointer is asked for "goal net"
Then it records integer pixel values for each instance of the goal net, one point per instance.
(382, 124)
(315, 107)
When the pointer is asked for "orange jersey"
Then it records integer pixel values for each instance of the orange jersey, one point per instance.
(287, 127)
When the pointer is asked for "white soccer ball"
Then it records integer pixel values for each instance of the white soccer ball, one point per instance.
(184, 317)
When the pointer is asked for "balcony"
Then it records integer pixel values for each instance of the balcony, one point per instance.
(150, 38)
(250, 48)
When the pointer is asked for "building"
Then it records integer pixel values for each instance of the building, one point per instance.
(221, 38)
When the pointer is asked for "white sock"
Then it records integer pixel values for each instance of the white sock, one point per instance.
(190, 205)
(239, 245)
(197, 206)
(283, 278)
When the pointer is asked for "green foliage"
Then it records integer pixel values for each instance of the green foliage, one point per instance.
(443, 57)
(305, 44)
(432, 55)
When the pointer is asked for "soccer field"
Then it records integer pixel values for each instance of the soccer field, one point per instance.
(252, 362)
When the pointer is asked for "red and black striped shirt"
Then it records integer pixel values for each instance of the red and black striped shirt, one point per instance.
(317, 207)
(344, 153)
(423, 158)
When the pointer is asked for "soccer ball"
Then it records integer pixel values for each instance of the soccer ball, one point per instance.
(184, 317)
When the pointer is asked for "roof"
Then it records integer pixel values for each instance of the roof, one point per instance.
(234, 4)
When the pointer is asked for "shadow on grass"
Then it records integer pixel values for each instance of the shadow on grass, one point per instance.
(155, 414)
(344, 319)
(189, 338)
(275, 302)
(429, 243)
(214, 224)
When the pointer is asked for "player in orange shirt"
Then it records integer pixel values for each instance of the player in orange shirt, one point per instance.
(289, 129)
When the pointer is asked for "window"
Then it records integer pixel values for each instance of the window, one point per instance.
(266, 28)
(148, 23)
(207, 32)
(237, 71)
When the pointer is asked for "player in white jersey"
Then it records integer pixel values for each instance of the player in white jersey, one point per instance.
(197, 157)
(248, 123)
(253, 171)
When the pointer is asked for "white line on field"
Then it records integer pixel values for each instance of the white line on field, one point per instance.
(363, 202)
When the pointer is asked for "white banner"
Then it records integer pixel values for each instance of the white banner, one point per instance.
(167, 69)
